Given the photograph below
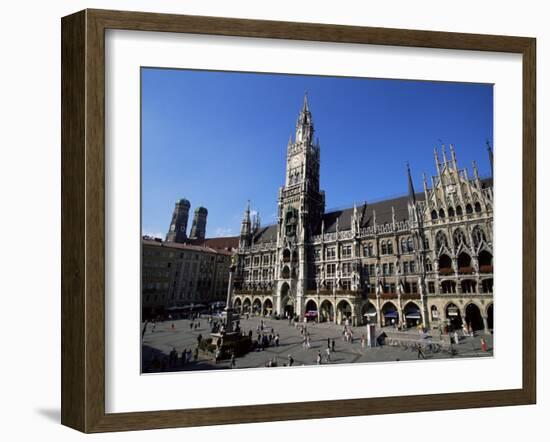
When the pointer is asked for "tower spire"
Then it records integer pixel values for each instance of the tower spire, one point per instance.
(437, 165)
(305, 108)
(412, 197)
(245, 223)
(304, 125)
(490, 152)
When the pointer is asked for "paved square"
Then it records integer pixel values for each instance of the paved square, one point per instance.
(158, 344)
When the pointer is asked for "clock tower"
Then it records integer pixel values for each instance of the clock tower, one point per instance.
(301, 208)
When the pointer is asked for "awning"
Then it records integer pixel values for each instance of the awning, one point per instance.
(370, 314)
(452, 311)
(391, 314)
(412, 315)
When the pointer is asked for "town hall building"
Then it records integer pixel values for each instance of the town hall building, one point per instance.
(422, 259)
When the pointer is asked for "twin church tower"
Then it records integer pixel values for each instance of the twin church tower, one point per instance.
(180, 218)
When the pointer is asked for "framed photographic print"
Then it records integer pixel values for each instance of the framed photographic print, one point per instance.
(267, 221)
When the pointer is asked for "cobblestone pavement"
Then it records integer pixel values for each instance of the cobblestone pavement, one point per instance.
(164, 338)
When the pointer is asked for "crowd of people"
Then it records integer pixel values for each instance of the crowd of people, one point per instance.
(265, 337)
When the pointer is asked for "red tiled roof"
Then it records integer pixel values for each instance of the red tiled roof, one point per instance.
(221, 243)
(182, 246)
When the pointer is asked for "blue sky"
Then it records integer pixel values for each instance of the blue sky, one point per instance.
(219, 138)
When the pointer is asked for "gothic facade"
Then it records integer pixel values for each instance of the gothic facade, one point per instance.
(422, 259)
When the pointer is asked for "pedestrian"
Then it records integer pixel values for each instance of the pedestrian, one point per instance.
(217, 355)
(191, 325)
(333, 346)
(318, 357)
(143, 330)
(455, 335)
(420, 353)
(290, 360)
(328, 342)
(483, 345)
(232, 360)
(183, 357)
(328, 354)
(173, 357)
(363, 341)
(277, 340)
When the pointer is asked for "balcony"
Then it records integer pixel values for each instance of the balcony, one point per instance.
(486, 268)
(466, 270)
(445, 271)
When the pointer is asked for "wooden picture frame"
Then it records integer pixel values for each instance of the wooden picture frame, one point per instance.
(83, 220)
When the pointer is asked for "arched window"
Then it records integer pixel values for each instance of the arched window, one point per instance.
(478, 236)
(469, 209)
(404, 248)
(390, 247)
(441, 213)
(384, 248)
(451, 212)
(440, 240)
(410, 245)
(477, 207)
(458, 238)
(458, 211)
(434, 215)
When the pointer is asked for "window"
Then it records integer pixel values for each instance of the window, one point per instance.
(317, 254)
(256, 261)
(331, 269)
(459, 237)
(426, 243)
(469, 209)
(346, 285)
(405, 267)
(477, 207)
(346, 269)
(385, 268)
(384, 248)
(368, 250)
(346, 251)
(440, 240)
(431, 287)
(330, 253)
(478, 236)
(391, 268)
(434, 215)
(266, 259)
(412, 266)
(458, 211)
(390, 247)
(441, 213)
